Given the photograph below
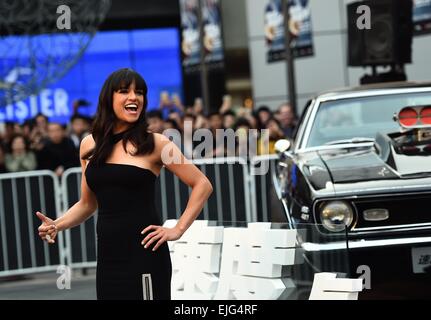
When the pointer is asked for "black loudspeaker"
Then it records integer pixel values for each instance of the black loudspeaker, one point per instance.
(389, 41)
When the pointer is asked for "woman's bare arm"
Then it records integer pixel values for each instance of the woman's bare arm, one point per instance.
(87, 204)
(188, 173)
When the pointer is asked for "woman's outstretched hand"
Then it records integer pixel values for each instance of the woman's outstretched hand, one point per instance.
(47, 230)
(160, 234)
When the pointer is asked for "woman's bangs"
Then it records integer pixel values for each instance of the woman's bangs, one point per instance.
(125, 78)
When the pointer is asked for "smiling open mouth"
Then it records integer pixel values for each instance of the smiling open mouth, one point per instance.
(133, 108)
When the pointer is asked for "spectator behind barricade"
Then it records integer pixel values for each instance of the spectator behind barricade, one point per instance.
(242, 111)
(39, 133)
(17, 129)
(168, 105)
(190, 118)
(2, 158)
(242, 124)
(239, 111)
(266, 143)
(263, 115)
(20, 158)
(41, 123)
(286, 116)
(252, 119)
(78, 104)
(79, 128)
(176, 116)
(59, 153)
(155, 121)
(215, 121)
(176, 100)
(9, 131)
(201, 120)
(198, 107)
(229, 119)
(26, 128)
(226, 104)
(189, 110)
(171, 124)
(242, 129)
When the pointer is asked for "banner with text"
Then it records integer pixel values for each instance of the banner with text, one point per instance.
(190, 34)
(422, 16)
(299, 27)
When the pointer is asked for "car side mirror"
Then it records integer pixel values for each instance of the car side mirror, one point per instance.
(282, 146)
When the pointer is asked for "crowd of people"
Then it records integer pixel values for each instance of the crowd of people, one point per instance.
(171, 114)
(39, 144)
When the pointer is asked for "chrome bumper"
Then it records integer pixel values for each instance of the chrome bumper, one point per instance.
(357, 244)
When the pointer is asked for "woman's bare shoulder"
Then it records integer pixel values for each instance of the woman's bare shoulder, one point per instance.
(87, 143)
(160, 139)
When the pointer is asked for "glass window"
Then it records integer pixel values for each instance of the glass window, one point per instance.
(360, 117)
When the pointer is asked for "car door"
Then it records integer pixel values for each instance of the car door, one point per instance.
(291, 171)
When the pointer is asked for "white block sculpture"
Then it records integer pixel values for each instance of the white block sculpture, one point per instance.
(195, 261)
(252, 261)
(326, 286)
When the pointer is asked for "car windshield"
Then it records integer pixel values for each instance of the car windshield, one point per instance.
(359, 119)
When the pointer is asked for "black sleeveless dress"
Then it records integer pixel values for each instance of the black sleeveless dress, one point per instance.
(125, 269)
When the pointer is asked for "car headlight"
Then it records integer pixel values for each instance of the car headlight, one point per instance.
(336, 215)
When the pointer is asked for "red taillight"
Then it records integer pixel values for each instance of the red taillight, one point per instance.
(425, 115)
(408, 117)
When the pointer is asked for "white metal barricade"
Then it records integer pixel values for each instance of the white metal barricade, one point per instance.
(262, 171)
(230, 201)
(81, 240)
(22, 250)
(230, 179)
(239, 195)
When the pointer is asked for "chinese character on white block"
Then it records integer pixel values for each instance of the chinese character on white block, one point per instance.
(252, 261)
(326, 286)
(195, 261)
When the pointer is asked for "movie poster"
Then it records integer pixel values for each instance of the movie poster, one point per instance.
(421, 17)
(299, 26)
(212, 33)
(190, 44)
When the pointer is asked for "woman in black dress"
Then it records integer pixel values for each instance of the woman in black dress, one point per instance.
(120, 162)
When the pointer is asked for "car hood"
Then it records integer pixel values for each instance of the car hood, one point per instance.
(362, 164)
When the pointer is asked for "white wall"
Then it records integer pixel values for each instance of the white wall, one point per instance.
(234, 24)
(327, 68)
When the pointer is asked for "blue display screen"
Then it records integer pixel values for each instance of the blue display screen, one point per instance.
(154, 53)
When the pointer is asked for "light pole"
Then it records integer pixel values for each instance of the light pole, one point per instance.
(203, 66)
(290, 63)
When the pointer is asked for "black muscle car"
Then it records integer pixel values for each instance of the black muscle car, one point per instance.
(360, 163)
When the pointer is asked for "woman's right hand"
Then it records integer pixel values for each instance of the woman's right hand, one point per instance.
(47, 230)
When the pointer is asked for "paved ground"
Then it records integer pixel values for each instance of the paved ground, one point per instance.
(43, 286)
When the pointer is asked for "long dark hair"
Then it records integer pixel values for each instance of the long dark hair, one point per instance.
(104, 121)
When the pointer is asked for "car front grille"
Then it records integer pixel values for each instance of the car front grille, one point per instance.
(404, 211)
